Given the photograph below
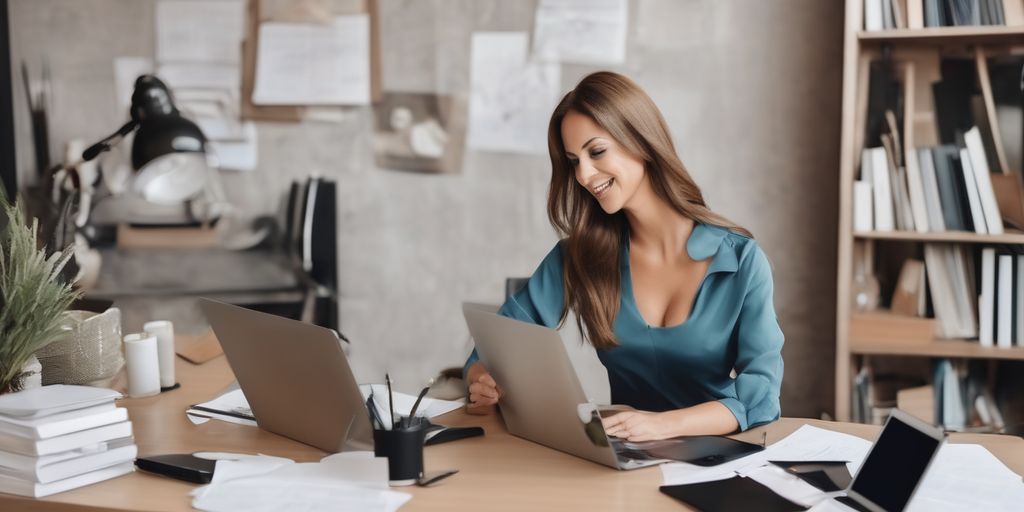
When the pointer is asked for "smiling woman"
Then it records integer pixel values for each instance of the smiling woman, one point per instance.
(675, 298)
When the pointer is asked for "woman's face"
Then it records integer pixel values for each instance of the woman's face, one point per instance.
(604, 168)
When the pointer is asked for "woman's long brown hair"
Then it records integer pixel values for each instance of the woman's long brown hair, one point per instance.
(591, 249)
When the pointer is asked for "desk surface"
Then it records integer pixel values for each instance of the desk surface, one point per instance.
(497, 471)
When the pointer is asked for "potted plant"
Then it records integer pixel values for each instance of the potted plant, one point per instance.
(33, 295)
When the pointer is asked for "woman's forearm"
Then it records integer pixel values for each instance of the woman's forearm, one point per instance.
(708, 418)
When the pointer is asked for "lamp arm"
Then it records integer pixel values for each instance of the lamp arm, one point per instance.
(108, 142)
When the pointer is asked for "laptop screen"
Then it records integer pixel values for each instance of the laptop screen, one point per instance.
(895, 465)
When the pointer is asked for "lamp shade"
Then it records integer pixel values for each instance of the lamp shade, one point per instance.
(169, 151)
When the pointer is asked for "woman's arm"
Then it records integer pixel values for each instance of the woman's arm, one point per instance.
(708, 418)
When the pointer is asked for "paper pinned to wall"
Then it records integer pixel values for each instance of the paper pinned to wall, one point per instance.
(199, 30)
(126, 70)
(312, 64)
(511, 97)
(240, 154)
(581, 31)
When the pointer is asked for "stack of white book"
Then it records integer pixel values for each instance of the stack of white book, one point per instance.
(56, 438)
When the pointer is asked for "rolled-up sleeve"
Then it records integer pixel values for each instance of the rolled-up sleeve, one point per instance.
(539, 302)
(759, 342)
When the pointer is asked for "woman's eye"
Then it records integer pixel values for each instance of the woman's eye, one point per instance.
(596, 153)
(573, 162)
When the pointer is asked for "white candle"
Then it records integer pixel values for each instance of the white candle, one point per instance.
(143, 365)
(164, 332)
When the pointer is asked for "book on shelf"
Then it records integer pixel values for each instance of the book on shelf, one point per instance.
(970, 183)
(952, 289)
(863, 214)
(886, 326)
(910, 296)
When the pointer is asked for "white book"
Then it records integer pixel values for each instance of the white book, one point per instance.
(979, 164)
(20, 462)
(69, 468)
(986, 301)
(65, 442)
(1004, 327)
(887, 18)
(916, 189)
(21, 487)
(873, 19)
(879, 165)
(53, 399)
(862, 207)
(940, 283)
(963, 291)
(952, 403)
(1020, 300)
(58, 426)
(931, 190)
(971, 184)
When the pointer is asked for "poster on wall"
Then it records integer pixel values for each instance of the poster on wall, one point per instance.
(419, 132)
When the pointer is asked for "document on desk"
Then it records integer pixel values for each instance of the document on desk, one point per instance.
(343, 481)
(314, 64)
(807, 443)
(511, 96)
(581, 31)
(231, 407)
(428, 408)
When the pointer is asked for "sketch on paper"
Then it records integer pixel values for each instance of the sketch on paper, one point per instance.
(511, 97)
(418, 132)
(581, 31)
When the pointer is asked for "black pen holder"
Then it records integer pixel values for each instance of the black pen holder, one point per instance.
(403, 446)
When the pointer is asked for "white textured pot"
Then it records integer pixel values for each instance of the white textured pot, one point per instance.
(32, 374)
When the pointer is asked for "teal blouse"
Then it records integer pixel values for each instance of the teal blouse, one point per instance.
(732, 326)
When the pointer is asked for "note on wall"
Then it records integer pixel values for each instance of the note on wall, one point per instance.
(312, 64)
(511, 96)
(581, 31)
(199, 30)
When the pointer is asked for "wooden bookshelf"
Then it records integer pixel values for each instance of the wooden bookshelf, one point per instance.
(937, 348)
(1010, 237)
(944, 35)
(859, 48)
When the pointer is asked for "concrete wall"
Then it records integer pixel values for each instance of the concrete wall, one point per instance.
(750, 89)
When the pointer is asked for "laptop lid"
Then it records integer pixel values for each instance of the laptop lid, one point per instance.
(543, 401)
(295, 376)
(896, 464)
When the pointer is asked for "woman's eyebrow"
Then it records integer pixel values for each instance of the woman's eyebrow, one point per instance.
(585, 144)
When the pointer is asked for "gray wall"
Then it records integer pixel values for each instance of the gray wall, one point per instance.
(751, 91)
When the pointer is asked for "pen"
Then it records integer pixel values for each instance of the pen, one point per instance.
(391, 399)
(371, 407)
(416, 405)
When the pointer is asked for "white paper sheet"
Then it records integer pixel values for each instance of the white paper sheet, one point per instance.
(199, 30)
(511, 98)
(581, 31)
(968, 477)
(344, 481)
(126, 70)
(237, 155)
(429, 407)
(311, 64)
(807, 443)
(233, 401)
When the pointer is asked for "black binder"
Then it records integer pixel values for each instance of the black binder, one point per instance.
(736, 493)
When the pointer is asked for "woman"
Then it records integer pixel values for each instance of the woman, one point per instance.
(674, 297)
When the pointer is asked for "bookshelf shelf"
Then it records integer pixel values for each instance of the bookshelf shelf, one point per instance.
(1010, 237)
(937, 348)
(941, 35)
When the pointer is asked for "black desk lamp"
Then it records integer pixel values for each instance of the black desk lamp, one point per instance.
(169, 151)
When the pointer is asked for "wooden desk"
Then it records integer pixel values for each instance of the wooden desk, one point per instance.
(497, 471)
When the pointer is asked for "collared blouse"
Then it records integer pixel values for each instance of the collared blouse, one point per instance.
(732, 326)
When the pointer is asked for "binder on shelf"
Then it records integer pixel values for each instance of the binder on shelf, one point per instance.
(862, 206)
(979, 165)
(1004, 331)
(986, 301)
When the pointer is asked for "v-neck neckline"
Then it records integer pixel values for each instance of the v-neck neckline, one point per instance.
(627, 286)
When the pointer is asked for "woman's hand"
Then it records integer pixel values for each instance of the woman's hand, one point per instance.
(483, 390)
(642, 425)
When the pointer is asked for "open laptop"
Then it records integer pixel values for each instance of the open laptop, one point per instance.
(543, 400)
(895, 466)
(295, 376)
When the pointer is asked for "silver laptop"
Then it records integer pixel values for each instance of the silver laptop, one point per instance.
(543, 401)
(894, 468)
(295, 376)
